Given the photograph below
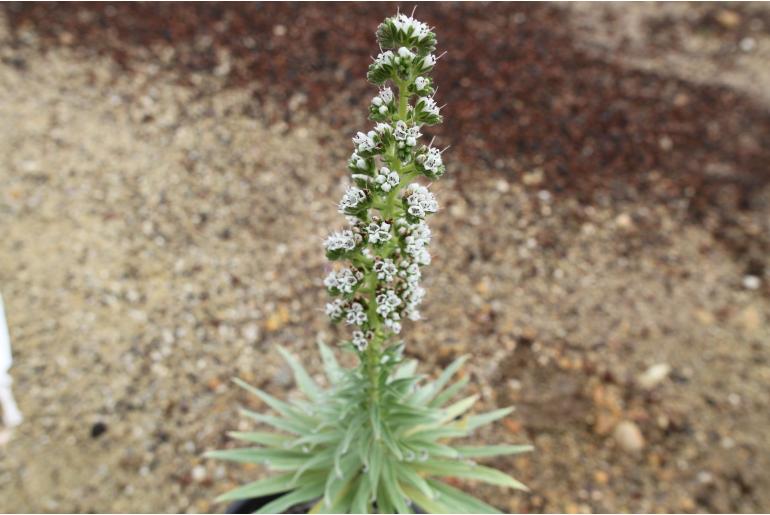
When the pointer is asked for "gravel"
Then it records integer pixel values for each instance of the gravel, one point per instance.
(162, 233)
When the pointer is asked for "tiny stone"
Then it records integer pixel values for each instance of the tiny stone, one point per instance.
(751, 282)
(629, 437)
(98, 429)
(748, 44)
(654, 375)
(199, 473)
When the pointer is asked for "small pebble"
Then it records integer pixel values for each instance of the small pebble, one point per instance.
(629, 437)
(751, 282)
(199, 473)
(98, 429)
(654, 375)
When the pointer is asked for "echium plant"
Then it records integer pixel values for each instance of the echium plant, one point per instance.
(378, 438)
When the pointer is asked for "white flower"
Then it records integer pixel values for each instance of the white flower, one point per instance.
(393, 324)
(430, 60)
(361, 340)
(407, 24)
(334, 309)
(429, 105)
(357, 161)
(355, 314)
(387, 179)
(421, 201)
(343, 240)
(422, 257)
(344, 280)
(405, 134)
(352, 198)
(384, 58)
(420, 83)
(386, 94)
(378, 232)
(405, 54)
(387, 303)
(386, 270)
(377, 101)
(364, 142)
(431, 160)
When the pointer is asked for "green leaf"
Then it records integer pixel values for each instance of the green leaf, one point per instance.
(298, 496)
(291, 425)
(477, 421)
(450, 392)
(361, 500)
(376, 458)
(464, 502)
(425, 394)
(453, 411)
(436, 433)
(432, 447)
(253, 454)
(267, 486)
(344, 445)
(319, 460)
(331, 367)
(279, 406)
(405, 370)
(317, 438)
(408, 476)
(262, 438)
(446, 468)
(344, 500)
(425, 502)
(392, 490)
(338, 480)
(487, 451)
(303, 379)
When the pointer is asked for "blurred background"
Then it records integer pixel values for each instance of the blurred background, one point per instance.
(168, 172)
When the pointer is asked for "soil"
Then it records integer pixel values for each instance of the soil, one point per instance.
(167, 174)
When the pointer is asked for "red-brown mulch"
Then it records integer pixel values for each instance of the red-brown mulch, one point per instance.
(520, 94)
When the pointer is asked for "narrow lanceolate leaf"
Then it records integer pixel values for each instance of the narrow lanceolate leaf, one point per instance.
(261, 438)
(429, 391)
(460, 501)
(303, 379)
(450, 392)
(393, 490)
(299, 496)
(344, 500)
(339, 480)
(331, 367)
(290, 425)
(279, 406)
(432, 505)
(376, 458)
(476, 421)
(458, 408)
(465, 470)
(491, 451)
(431, 447)
(267, 486)
(406, 370)
(361, 500)
(254, 454)
(408, 476)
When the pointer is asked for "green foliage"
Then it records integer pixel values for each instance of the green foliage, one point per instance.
(343, 452)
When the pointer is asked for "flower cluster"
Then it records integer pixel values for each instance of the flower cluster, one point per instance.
(388, 239)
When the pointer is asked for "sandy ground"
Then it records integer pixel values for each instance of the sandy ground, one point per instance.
(159, 238)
